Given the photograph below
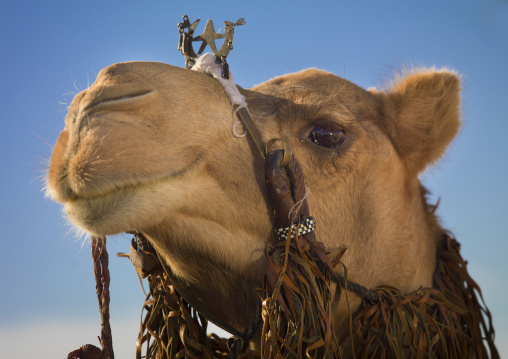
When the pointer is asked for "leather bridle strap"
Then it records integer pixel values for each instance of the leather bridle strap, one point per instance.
(244, 116)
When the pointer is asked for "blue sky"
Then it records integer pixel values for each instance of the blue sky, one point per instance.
(50, 50)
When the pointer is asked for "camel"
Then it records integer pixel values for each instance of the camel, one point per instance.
(150, 147)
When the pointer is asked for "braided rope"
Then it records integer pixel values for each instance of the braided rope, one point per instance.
(253, 327)
(369, 295)
(101, 272)
(102, 279)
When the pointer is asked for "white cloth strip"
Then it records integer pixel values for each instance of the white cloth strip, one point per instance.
(206, 64)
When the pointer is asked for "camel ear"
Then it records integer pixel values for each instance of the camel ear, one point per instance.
(421, 115)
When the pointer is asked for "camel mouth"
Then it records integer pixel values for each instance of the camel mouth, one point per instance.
(139, 183)
(128, 205)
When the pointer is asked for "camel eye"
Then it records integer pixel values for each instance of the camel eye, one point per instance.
(329, 136)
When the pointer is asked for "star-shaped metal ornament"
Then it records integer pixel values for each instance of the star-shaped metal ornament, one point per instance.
(208, 37)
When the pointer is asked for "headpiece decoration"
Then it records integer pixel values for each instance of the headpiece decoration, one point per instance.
(208, 37)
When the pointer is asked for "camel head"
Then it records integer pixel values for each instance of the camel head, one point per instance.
(150, 147)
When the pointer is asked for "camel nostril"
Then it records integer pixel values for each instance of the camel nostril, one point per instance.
(116, 88)
(110, 98)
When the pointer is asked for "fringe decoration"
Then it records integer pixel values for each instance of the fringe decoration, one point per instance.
(447, 321)
(171, 328)
(298, 310)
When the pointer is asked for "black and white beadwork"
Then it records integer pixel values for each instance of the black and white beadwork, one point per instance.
(307, 225)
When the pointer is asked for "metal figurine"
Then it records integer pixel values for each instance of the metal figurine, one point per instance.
(208, 37)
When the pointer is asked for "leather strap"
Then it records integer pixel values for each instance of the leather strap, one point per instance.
(244, 116)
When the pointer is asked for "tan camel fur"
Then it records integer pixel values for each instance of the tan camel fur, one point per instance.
(149, 147)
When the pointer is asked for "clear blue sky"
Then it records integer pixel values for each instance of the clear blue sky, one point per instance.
(49, 50)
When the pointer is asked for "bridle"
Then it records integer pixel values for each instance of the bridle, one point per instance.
(285, 197)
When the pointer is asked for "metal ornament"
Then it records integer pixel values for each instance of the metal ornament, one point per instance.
(208, 37)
